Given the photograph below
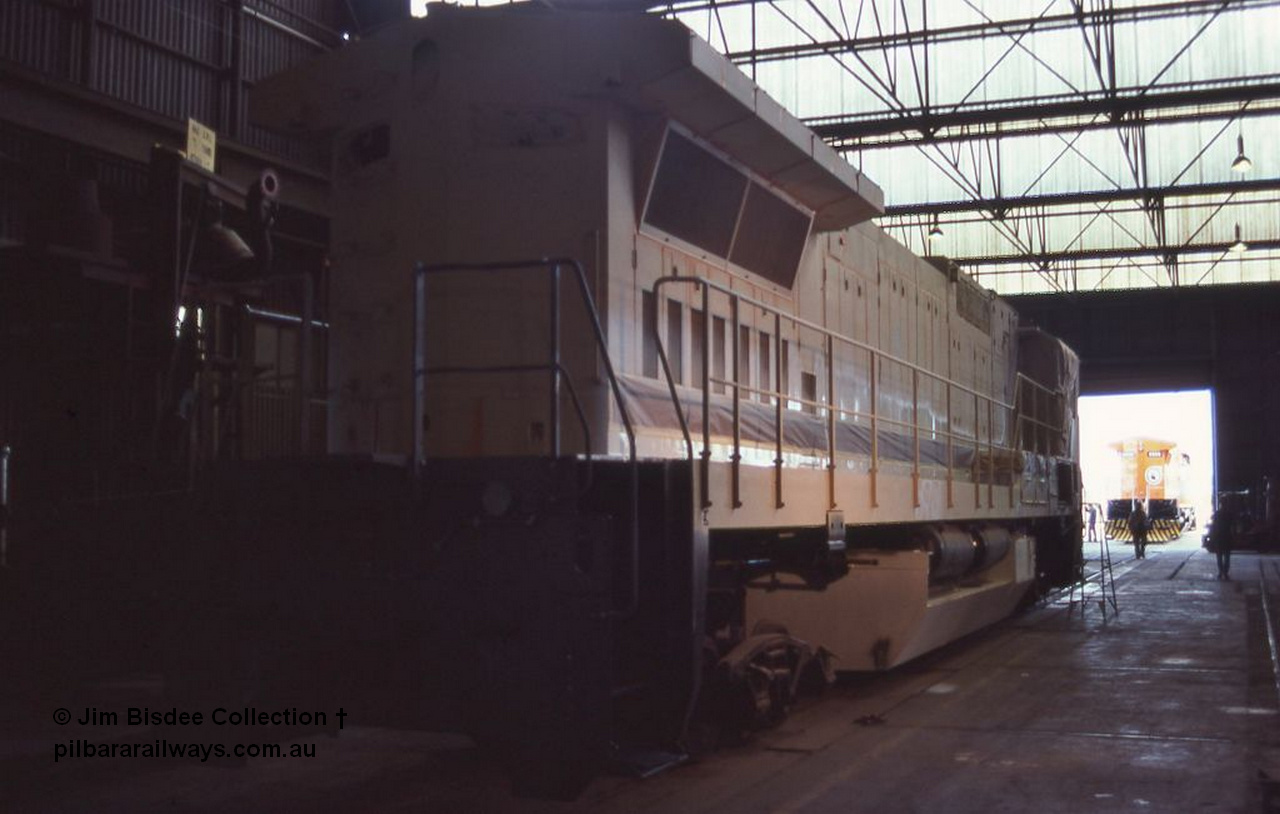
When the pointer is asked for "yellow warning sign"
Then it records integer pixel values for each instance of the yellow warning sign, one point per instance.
(202, 144)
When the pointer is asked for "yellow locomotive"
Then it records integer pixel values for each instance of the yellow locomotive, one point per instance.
(633, 406)
(1151, 472)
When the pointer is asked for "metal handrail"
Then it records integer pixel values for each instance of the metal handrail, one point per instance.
(842, 413)
(553, 265)
(804, 323)
(6, 453)
(876, 359)
(305, 323)
(845, 415)
(557, 373)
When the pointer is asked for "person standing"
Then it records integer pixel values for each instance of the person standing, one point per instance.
(1092, 511)
(1138, 527)
(1221, 536)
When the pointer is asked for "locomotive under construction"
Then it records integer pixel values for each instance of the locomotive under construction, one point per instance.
(633, 409)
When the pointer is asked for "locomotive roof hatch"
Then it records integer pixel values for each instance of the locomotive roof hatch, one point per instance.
(665, 69)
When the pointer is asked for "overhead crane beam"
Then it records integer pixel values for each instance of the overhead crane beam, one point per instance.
(1045, 260)
(1004, 205)
(1199, 101)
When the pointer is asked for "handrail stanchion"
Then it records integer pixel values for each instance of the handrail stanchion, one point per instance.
(1041, 432)
(705, 469)
(915, 436)
(951, 457)
(831, 421)
(1018, 437)
(1038, 428)
(681, 418)
(977, 457)
(991, 455)
(1044, 432)
(6, 454)
(734, 331)
(779, 406)
(554, 382)
(419, 368)
(1010, 456)
(304, 366)
(1035, 420)
(875, 426)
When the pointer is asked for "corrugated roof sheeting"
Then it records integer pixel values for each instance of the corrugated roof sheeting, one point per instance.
(1094, 161)
(164, 60)
(34, 34)
(194, 29)
(1235, 44)
(269, 50)
(1195, 46)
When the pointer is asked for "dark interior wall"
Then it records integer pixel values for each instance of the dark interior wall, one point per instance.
(94, 222)
(1226, 338)
(113, 79)
(194, 58)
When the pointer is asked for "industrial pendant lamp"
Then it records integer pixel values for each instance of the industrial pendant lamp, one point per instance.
(1242, 164)
(935, 231)
(1239, 246)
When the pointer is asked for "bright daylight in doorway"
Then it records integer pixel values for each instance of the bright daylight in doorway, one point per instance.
(1184, 418)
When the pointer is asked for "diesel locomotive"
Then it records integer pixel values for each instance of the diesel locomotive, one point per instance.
(1152, 471)
(634, 412)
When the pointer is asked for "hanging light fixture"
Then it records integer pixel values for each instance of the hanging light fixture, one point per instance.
(935, 231)
(1242, 164)
(1239, 247)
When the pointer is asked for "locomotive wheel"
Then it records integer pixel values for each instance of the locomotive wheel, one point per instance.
(755, 684)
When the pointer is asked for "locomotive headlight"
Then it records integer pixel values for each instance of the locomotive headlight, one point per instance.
(1154, 475)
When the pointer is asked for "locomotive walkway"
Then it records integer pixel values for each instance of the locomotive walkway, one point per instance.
(1169, 707)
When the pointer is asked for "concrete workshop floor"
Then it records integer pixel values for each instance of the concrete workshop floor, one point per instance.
(1170, 706)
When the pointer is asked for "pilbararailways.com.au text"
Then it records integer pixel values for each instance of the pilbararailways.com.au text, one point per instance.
(163, 749)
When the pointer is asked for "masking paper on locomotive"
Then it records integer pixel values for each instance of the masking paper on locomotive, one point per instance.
(649, 405)
(1047, 360)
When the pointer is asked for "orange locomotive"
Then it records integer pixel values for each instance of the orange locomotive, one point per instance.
(1150, 472)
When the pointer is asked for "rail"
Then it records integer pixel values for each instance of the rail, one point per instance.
(556, 371)
(1032, 412)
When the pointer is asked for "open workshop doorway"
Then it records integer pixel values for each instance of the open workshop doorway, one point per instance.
(1150, 445)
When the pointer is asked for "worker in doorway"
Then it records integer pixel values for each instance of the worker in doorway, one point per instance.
(1138, 527)
(1221, 537)
(1091, 511)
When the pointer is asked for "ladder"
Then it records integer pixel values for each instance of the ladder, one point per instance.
(1097, 587)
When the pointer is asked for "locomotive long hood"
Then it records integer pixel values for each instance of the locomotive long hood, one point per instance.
(648, 63)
